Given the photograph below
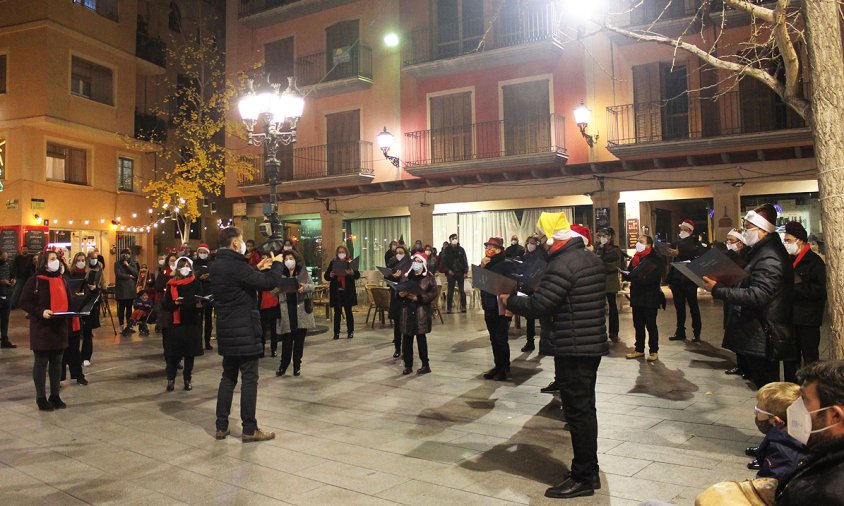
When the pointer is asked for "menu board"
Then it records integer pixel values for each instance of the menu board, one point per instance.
(9, 242)
(35, 240)
(632, 233)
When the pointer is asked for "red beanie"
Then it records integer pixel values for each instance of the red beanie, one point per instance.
(584, 231)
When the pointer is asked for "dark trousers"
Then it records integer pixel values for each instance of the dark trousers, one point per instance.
(87, 347)
(44, 361)
(173, 367)
(531, 329)
(499, 328)
(209, 324)
(645, 318)
(457, 280)
(407, 346)
(268, 331)
(577, 376)
(762, 371)
(350, 319)
(686, 293)
(397, 337)
(612, 304)
(124, 311)
(248, 369)
(807, 340)
(292, 346)
(5, 308)
(72, 358)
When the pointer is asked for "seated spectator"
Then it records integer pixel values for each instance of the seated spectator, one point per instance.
(142, 307)
(779, 453)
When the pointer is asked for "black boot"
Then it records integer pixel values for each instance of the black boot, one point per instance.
(529, 346)
(569, 489)
(188, 385)
(171, 385)
(43, 404)
(336, 336)
(678, 336)
(57, 402)
(281, 371)
(7, 344)
(350, 335)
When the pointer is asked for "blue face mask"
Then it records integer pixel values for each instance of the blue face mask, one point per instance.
(417, 267)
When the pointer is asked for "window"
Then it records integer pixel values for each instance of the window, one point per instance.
(105, 8)
(527, 118)
(341, 46)
(343, 134)
(125, 174)
(175, 19)
(67, 164)
(661, 101)
(278, 60)
(92, 81)
(2, 73)
(460, 26)
(451, 127)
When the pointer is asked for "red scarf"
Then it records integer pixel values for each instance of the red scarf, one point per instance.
(268, 300)
(174, 285)
(639, 256)
(341, 277)
(58, 298)
(77, 270)
(802, 253)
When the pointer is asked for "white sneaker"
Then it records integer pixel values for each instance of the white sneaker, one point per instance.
(86, 363)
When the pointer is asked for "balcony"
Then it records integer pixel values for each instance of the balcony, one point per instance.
(260, 13)
(456, 47)
(150, 128)
(697, 125)
(342, 71)
(315, 167)
(672, 17)
(533, 144)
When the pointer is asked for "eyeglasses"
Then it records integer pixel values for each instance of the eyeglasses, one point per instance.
(757, 411)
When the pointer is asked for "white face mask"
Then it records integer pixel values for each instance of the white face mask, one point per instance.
(640, 247)
(290, 264)
(417, 267)
(161, 262)
(242, 248)
(53, 265)
(342, 256)
(604, 241)
(203, 255)
(751, 236)
(288, 248)
(172, 267)
(93, 262)
(399, 257)
(732, 246)
(800, 421)
(454, 242)
(792, 248)
(428, 252)
(80, 264)
(531, 247)
(184, 271)
(684, 234)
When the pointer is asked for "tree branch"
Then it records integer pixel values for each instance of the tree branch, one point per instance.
(762, 13)
(787, 51)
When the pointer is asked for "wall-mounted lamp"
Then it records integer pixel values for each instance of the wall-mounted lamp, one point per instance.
(385, 142)
(582, 115)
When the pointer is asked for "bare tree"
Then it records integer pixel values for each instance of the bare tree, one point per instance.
(777, 32)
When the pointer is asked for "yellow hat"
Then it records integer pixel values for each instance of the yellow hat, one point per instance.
(550, 223)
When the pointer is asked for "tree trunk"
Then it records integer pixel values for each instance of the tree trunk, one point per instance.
(827, 98)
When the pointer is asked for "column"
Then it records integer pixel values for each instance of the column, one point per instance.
(332, 233)
(727, 206)
(421, 224)
(608, 199)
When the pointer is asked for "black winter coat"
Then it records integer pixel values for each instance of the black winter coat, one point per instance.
(571, 302)
(403, 266)
(740, 258)
(454, 259)
(810, 292)
(689, 249)
(515, 251)
(645, 281)
(200, 268)
(498, 264)
(818, 480)
(162, 319)
(44, 334)
(416, 315)
(759, 323)
(338, 296)
(124, 287)
(235, 285)
(184, 339)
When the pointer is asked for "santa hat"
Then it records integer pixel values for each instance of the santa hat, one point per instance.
(687, 223)
(583, 231)
(738, 235)
(190, 262)
(203, 246)
(556, 227)
(422, 256)
(764, 217)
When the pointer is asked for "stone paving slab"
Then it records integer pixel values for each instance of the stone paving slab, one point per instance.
(352, 430)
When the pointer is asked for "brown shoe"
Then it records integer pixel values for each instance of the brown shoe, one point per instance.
(258, 435)
(221, 434)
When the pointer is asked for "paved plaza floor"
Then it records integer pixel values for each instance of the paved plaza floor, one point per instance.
(353, 431)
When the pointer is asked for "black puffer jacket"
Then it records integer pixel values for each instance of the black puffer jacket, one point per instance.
(689, 249)
(455, 259)
(645, 280)
(810, 292)
(759, 322)
(235, 285)
(570, 301)
(498, 264)
(818, 480)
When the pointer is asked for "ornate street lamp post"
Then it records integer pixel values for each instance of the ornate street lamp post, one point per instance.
(277, 113)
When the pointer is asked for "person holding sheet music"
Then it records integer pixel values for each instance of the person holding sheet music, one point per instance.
(183, 339)
(342, 294)
(613, 259)
(296, 314)
(416, 317)
(683, 290)
(268, 307)
(45, 293)
(533, 253)
(496, 318)
(398, 265)
(759, 325)
(736, 251)
(94, 284)
(72, 356)
(645, 276)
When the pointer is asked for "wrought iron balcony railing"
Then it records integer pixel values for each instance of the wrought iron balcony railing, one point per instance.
(316, 162)
(353, 61)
